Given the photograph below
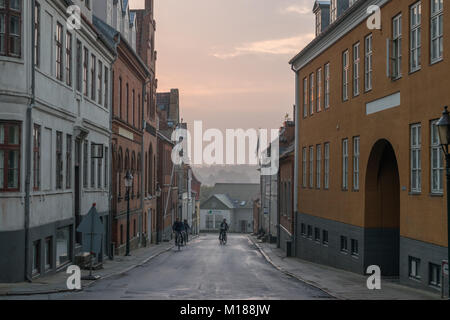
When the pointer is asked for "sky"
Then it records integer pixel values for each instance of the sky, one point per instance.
(229, 58)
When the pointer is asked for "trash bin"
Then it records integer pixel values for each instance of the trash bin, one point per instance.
(288, 248)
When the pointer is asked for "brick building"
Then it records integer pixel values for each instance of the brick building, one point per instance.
(370, 166)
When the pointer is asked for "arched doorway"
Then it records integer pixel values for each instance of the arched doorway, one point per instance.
(382, 210)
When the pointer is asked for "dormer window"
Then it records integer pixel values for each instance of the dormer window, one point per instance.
(333, 10)
(318, 22)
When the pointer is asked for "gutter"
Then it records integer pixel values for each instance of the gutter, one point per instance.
(28, 139)
(297, 141)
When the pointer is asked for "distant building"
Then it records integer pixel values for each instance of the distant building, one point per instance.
(232, 201)
(169, 102)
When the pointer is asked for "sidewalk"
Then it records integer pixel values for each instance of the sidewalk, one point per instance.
(56, 282)
(338, 283)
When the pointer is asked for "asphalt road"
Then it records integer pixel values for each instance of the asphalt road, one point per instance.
(203, 270)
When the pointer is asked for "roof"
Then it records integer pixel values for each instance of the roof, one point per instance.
(241, 195)
(108, 32)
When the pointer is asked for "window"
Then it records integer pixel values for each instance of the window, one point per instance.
(68, 161)
(318, 165)
(324, 237)
(133, 105)
(36, 263)
(311, 167)
(10, 28)
(437, 30)
(48, 253)
(303, 229)
(120, 98)
(128, 102)
(414, 267)
(309, 235)
(92, 165)
(311, 93)
(106, 167)
(416, 163)
(416, 37)
(354, 247)
(345, 164)
(304, 167)
(319, 90)
(69, 59)
(63, 240)
(318, 22)
(59, 160)
(93, 71)
(305, 97)
(435, 275)
(368, 63)
(326, 180)
(344, 244)
(437, 162)
(85, 72)
(99, 172)
(345, 67)
(356, 163)
(36, 157)
(79, 64)
(37, 32)
(397, 46)
(100, 82)
(85, 164)
(317, 234)
(356, 62)
(59, 51)
(9, 156)
(106, 87)
(333, 10)
(327, 86)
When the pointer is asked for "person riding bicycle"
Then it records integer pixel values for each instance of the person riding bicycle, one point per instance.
(178, 228)
(223, 228)
(187, 229)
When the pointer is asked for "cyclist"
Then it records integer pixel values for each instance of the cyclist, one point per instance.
(223, 229)
(187, 229)
(178, 228)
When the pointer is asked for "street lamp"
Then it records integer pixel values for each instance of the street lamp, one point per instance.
(443, 126)
(128, 185)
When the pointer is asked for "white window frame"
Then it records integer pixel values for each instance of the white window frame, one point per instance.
(436, 161)
(437, 37)
(326, 86)
(326, 178)
(416, 163)
(319, 90)
(304, 169)
(311, 166)
(356, 63)
(318, 22)
(356, 148)
(415, 36)
(368, 66)
(305, 97)
(345, 164)
(318, 166)
(333, 11)
(397, 46)
(311, 93)
(345, 70)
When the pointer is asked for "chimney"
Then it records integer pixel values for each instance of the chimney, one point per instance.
(322, 11)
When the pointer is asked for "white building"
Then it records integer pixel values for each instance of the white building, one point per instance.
(54, 118)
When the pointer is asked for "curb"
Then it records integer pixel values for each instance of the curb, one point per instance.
(311, 283)
(88, 284)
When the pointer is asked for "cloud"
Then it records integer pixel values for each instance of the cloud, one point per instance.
(284, 46)
(297, 9)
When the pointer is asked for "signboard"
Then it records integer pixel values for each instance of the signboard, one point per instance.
(445, 267)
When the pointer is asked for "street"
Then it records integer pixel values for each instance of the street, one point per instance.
(202, 270)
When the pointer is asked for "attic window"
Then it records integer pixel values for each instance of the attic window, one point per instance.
(333, 10)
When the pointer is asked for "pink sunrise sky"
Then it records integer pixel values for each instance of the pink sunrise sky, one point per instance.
(229, 58)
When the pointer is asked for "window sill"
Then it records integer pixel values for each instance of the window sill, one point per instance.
(354, 255)
(432, 63)
(418, 279)
(415, 193)
(436, 195)
(12, 59)
(344, 252)
(415, 71)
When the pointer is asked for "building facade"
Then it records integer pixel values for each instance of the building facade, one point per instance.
(54, 135)
(371, 169)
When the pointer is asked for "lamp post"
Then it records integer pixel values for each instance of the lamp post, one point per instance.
(443, 126)
(128, 185)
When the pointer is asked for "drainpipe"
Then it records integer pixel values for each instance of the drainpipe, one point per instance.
(144, 125)
(28, 140)
(296, 173)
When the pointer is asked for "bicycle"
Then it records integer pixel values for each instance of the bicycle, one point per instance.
(179, 240)
(223, 238)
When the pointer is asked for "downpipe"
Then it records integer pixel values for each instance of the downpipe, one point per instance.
(296, 173)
